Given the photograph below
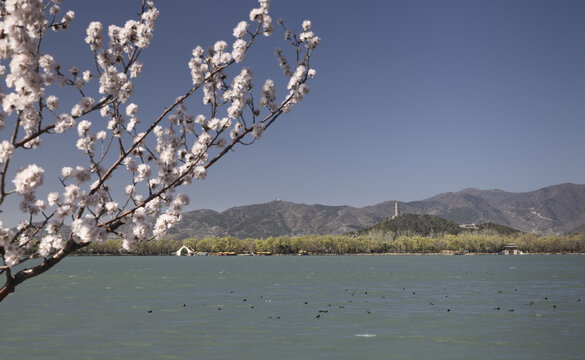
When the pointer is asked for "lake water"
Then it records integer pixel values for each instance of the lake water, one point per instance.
(293, 307)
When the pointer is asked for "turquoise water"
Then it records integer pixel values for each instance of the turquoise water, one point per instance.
(312, 307)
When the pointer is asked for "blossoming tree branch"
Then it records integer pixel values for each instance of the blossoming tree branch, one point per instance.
(157, 155)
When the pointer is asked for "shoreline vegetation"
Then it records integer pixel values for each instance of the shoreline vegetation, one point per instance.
(476, 243)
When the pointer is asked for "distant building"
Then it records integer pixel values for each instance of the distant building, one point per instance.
(511, 249)
(469, 226)
(396, 211)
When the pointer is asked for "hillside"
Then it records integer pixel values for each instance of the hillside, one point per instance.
(412, 224)
(275, 218)
(556, 209)
(429, 225)
(497, 229)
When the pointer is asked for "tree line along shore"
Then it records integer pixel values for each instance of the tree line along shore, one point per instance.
(371, 243)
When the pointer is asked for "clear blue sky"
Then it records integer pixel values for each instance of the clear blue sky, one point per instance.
(412, 98)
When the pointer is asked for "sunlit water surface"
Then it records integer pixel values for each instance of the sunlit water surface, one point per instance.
(313, 307)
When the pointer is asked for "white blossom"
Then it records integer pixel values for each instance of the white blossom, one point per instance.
(314, 42)
(135, 69)
(237, 130)
(239, 50)
(54, 10)
(200, 172)
(111, 207)
(182, 200)
(64, 210)
(258, 130)
(220, 56)
(83, 127)
(131, 109)
(6, 149)
(64, 122)
(81, 174)
(78, 82)
(52, 102)
(143, 171)
(28, 179)
(47, 63)
(53, 198)
(297, 77)
(256, 14)
(241, 29)
(27, 204)
(86, 230)
(306, 35)
(6, 235)
(50, 242)
(220, 46)
(267, 26)
(83, 106)
(94, 35)
(149, 16)
(65, 21)
(268, 95)
(129, 190)
(115, 83)
(71, 194)
(264, 5)
(132, 123)
(130, 164)
(40, 204)
(198, 66)
(86, 144)
(163, 222)
(66, 172)
(87, 76)
(241, 84)
(12, 255)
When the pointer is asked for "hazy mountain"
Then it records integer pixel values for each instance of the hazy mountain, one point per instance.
(556, 209)
(272, 219)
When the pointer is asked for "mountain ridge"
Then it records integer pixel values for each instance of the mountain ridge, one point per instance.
(552, 209)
